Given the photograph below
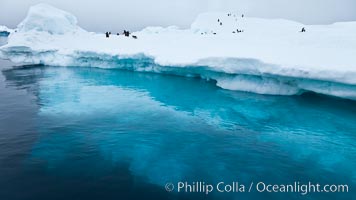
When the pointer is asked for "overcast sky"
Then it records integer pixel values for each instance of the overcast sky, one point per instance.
(115, 15)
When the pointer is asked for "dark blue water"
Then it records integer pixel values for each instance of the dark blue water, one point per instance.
(89, 133)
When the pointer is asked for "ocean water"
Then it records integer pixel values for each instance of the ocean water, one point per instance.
(90, 133)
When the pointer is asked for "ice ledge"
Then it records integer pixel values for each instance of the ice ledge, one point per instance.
(268, 57)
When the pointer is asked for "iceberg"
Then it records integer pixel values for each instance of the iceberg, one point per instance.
(265, 56)
(45, 18)
(4, 31)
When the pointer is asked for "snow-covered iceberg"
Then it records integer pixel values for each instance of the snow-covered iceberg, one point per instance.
(267, 56)
(4, 31)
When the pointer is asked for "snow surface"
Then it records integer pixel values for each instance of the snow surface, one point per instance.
(270, 56)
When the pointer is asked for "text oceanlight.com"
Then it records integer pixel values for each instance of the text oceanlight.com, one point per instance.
(236, 187)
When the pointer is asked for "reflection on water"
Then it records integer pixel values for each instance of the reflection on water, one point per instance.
(113, 134)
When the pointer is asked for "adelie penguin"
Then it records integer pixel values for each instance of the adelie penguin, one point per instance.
(126, 33)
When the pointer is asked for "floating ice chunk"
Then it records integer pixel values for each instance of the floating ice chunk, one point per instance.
(4, 31)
